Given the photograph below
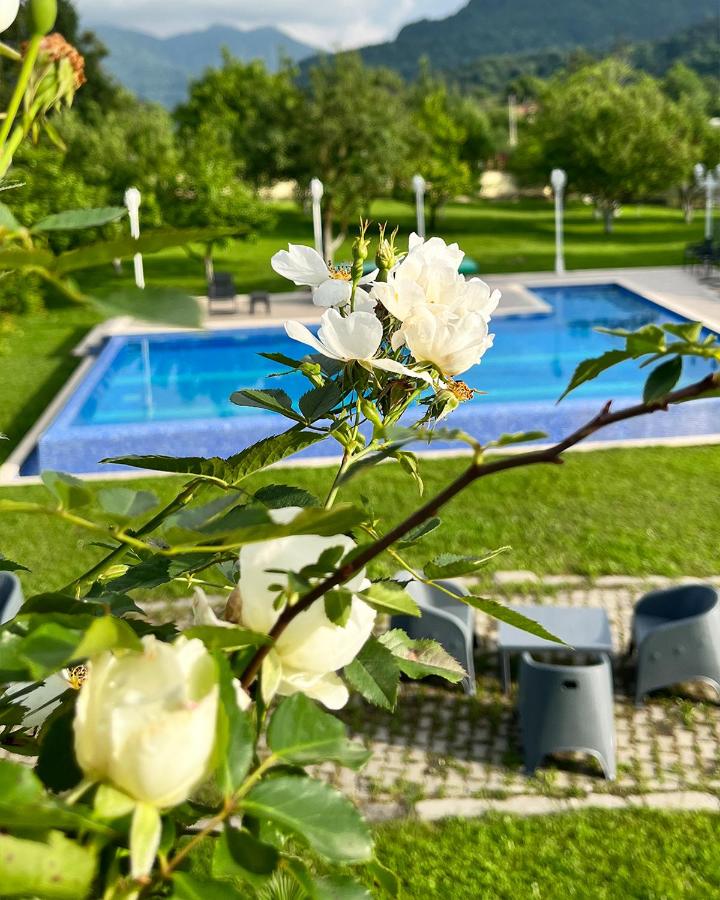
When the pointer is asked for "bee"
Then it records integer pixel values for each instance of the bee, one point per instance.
(75, 676)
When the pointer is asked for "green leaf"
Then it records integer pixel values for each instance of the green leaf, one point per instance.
(417, 534)
(124, 504)
(56, 765)
(106, 633)
(315, 813)
(663, 379)
(317, 403)
(338, 605)
(193, 887)
(302, 734)
(7, 565)
(168, 306)
(374, 673)
(145, 833)
(420, 658)
(280, 496)
(389, 596)
(104, 252)
(512, 617)
(409, 463)
(449, 565)
(519, 437)
(385, 878)
(55, 867)
(340, 887)
(687, 331)
(232, 470)
(70, 491)
(219, 638)
(648, 339)
(271, 399)
(8, 220)
(591, 368)
(238, 854)
(73, 219)
(235, 744)
(19, 258)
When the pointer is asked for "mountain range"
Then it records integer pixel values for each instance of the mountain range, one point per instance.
(159, 69)
(481, 44)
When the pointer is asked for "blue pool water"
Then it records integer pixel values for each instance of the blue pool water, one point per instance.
(168, 393)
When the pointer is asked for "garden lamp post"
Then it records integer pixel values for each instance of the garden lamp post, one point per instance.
(708, 180)
(133, 199)
(418, 184)
(558, 179)
(316, 192)
(512, 121)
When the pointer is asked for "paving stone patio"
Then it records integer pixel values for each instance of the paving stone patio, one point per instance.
(443, 746)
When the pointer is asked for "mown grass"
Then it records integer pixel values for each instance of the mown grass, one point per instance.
(589, 855)
(597, 855)
(634, 512)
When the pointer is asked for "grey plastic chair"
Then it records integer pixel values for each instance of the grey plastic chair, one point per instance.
(676, 637)
(44, 699)
(445, 620)
(11, 596)
(567, 708)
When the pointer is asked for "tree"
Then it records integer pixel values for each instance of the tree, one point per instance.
(253, 111)
(355, 127)
(207, 191)
(441, 144)
(615, 133)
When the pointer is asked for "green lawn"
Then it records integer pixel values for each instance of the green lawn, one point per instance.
(500, 236)
(630, 512)
(593, 855)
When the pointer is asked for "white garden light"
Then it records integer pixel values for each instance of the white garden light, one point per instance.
(558, 179)
(133, 199)
(708, 180)
(419, 185)
(316, 192)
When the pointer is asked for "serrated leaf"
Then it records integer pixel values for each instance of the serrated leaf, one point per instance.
(167, 306)
(124, 504)
(375, 675)
(317, 403)
(420, 658)
(70, 491)
(409, 463)
(302, 734)
(195, 887)
(8, 565)
(239, 854)
(389, 596)
(450, 565)
(511, 616)
(648, 339)
(106, 633)
(280, 496)
(54, 866)
(232, 470)
(73, 219)
(519, 437)
(315, 813)
(663, 379)
(591, 368)
(417, 534)
(271, 399)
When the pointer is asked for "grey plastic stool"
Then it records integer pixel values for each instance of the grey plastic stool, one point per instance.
(448, 621)
(11, 596)
(676, 637)
(567, 708)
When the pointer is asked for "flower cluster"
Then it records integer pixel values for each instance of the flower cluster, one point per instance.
(438, 319)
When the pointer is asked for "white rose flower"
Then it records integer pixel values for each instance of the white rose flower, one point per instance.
(352, 338)
(8, 13)
(332, 287)
(146, 722)
(450, 341)
(312, 649)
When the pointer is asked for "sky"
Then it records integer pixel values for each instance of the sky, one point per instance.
(328, 24)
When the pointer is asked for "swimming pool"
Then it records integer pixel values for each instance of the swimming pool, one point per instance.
(168, 393)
